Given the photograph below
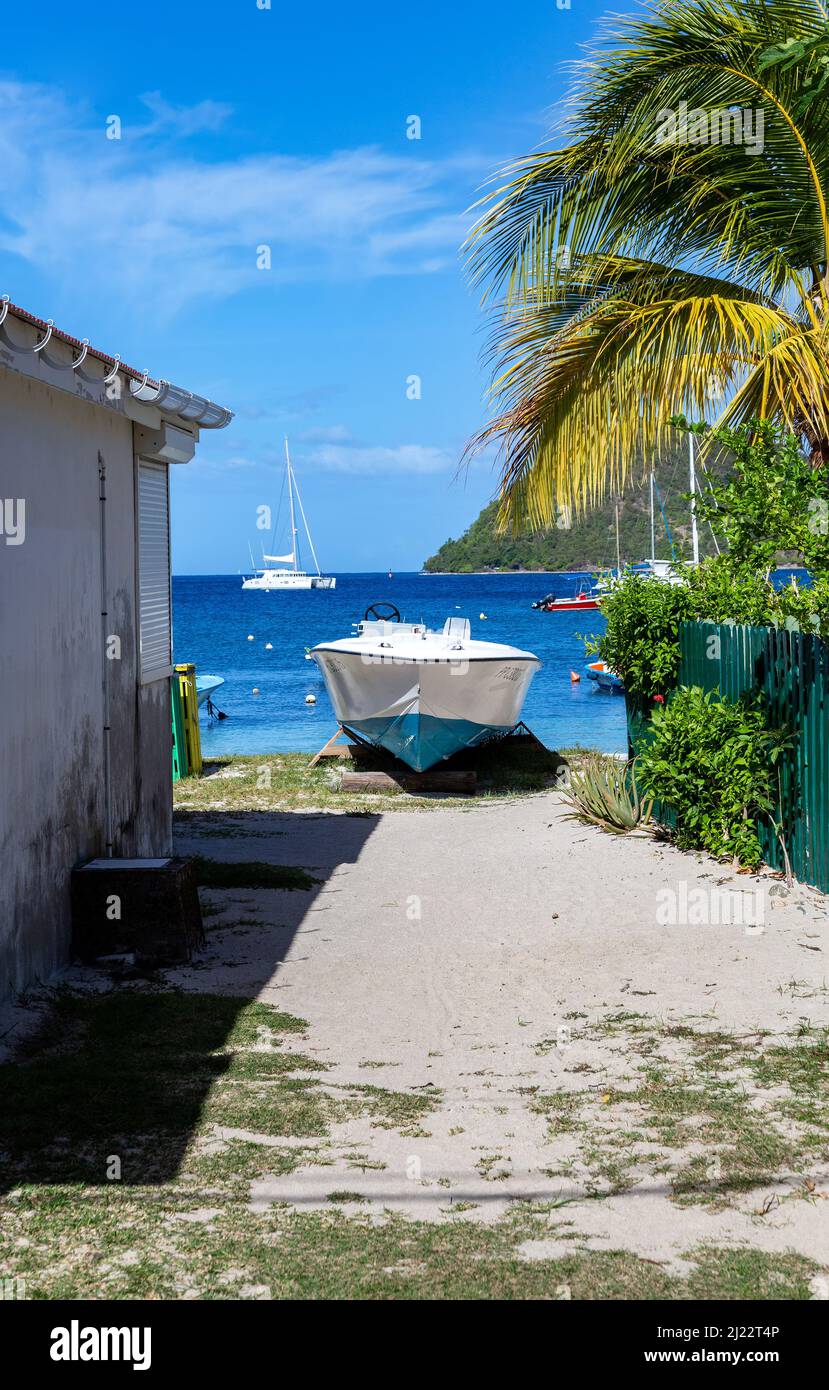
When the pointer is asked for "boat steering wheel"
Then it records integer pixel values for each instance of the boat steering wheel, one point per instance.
(390, 614)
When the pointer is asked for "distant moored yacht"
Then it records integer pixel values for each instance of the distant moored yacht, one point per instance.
(271, 576)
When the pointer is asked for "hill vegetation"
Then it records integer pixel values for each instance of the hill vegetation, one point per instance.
(589, 542)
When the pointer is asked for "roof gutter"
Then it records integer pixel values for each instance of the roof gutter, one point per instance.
(174, 401)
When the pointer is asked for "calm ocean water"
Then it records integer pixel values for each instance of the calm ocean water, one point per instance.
(212, 617)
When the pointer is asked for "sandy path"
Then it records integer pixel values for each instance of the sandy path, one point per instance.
(475, 951)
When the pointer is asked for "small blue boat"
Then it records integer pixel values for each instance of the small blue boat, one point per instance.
(206, 685)
(605, 679)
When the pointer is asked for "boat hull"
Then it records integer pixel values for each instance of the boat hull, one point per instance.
(423, 712)
(274, 580)
(586, 598)
(570, 605)
(207, 686)
(421, 740)
(605, 679)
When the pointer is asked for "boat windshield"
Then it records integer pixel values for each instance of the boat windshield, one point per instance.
(374, 627)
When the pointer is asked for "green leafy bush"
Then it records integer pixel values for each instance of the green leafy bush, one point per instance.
(720, 595)
(710, 761)
(641, 641)
(771, 500)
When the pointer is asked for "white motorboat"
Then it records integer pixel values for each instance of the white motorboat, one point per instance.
(271, 577)
(423, 695)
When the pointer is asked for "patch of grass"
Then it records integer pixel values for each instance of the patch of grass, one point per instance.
(494, 1167)
(138, 1075)
(761, 1111)
(505, 769)
(294, 1106)
(124, 1245)
(745, 1273)
(134, 1073)
(802, 1066)
(511, 767)
(562, 1109)
(219, 873)
(610, 1172)
(801, 989)
(155, 1078)
(394, 1109)
(235, 1164)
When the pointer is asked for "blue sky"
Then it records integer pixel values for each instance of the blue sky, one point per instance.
(244, 127)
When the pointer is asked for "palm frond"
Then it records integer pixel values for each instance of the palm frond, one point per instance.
(632, 276)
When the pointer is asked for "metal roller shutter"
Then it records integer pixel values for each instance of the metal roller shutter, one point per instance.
(154, 570)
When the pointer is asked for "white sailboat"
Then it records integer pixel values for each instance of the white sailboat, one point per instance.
(423, 695)
(270, 576)
(667, 570)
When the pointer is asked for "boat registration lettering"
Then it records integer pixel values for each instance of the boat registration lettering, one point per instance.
(509, 673)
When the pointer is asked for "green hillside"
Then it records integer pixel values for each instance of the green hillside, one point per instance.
(590, 542)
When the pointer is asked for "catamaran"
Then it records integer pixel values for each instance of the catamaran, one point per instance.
(270, 576)
(423, 695)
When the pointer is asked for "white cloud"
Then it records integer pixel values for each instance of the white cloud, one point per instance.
(450, 228)
(183, 120)
(400, 458)
(138, 218)
(327, 434)
(334, 451)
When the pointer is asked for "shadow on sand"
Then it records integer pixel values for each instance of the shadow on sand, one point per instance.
(126, 1073)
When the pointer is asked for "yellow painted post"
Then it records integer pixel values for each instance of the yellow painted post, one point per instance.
(186, 673)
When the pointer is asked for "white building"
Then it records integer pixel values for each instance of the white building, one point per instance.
(85, 626)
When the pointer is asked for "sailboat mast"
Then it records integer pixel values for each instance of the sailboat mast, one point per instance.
(653, 522)
(307, 527)
(693, 477)
(291, 501)
(618, 549)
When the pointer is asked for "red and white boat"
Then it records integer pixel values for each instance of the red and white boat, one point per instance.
(586, 598)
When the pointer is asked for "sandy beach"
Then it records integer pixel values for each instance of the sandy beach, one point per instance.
(504, 954)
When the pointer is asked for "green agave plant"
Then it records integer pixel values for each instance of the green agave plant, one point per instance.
(603, 792)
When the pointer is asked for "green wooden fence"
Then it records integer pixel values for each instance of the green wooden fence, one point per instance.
(180, 765)
(790, 669)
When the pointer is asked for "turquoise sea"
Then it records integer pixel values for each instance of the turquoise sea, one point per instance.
(213, 618)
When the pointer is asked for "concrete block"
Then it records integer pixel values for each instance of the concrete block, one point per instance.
(149, 907)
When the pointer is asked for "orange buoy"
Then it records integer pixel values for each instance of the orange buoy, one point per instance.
(575, 677)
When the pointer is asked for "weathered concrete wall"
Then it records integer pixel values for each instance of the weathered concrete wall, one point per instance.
(51, 713)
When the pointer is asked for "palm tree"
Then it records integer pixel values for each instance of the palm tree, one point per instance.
(672, 257)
